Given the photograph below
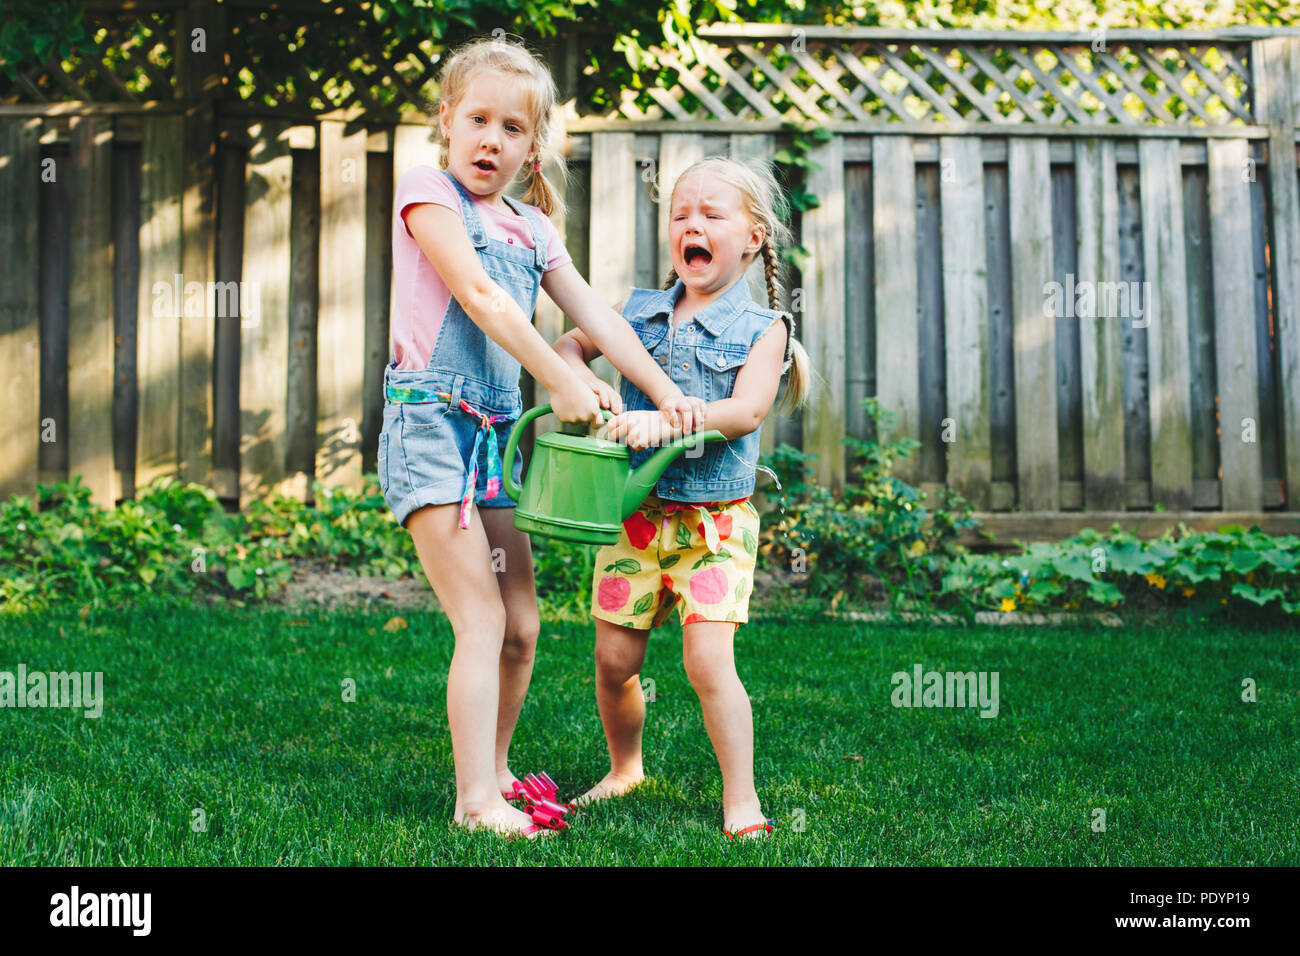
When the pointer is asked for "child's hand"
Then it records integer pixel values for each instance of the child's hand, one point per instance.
(607, 395)
(640, 429)
(684, 411)
(574, 401)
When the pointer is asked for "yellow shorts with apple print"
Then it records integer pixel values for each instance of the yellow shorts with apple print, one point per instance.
(698, 557)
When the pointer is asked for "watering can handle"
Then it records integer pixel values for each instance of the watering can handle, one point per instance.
(512, 443)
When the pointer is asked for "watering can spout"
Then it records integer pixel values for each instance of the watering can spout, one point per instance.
(642, 481)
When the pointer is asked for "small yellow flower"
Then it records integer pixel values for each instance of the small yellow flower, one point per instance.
(917, 549)
(1188, 592)
(1156, 580)
(1008, 604)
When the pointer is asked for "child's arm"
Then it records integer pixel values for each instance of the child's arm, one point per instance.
(442, 238)
(751, 399)
(576, 350)
(605, 333)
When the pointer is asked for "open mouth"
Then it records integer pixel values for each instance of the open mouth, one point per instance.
(697, 257)
(486, 165)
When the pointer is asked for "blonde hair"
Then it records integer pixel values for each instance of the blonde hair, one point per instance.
(514, 60)
(762, 201)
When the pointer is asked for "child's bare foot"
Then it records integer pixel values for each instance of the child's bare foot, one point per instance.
(504, 820)
(613, 785)
(737, 818)
(506, 781)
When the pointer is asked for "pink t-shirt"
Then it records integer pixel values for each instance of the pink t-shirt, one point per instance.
(419, 294)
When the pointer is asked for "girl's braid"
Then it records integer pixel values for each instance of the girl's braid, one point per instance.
(771, 271)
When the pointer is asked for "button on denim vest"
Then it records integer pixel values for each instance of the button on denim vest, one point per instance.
(466, 363)
(702, 357)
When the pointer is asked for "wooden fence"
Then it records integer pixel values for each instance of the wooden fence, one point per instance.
(1070, 264)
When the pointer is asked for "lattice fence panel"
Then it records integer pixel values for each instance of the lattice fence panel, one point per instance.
(1128, 83)
(305, 60)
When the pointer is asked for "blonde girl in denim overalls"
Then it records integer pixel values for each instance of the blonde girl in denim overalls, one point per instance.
(445, 423)
(693, 543)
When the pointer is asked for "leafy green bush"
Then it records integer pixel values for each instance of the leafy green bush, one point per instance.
(176, 541)
(1201, 570)
(172, 541)
(876, 535)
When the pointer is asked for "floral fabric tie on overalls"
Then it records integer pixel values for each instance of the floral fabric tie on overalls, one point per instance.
(495, 474)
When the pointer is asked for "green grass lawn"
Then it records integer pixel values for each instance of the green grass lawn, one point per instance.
(240, 712)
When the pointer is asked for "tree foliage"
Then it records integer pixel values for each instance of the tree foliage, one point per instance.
(617, 33)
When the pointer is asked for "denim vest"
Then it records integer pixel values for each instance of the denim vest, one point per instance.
(702, 358)
(465, 362)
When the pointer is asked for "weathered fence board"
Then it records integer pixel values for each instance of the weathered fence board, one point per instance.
(966, 331)
(20, 344)
(1165, 315)
(613, 219)
(341, 340)
(823, 293)
(1100, 350)
(1002, 386)
(1137, 428)
(89, 429)
(304, 294)
(126, 305)
(1277, 96)
(158, 326)
(263, 312)
(1265, 354)
(860, 340)
(1200, 337)
(378, 279)
(1235, 355)
(929, 327)
(894, 241)
(1069, 395)
(1037, 457)
(55, 258)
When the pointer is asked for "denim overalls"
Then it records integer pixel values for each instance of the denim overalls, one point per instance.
(702, 357)
(440, 441)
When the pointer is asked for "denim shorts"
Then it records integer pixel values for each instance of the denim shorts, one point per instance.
(424, 451)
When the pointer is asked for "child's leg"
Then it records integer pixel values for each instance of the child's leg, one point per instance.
(458, 564)
(708, 654)
(519, 596)
(620, 652)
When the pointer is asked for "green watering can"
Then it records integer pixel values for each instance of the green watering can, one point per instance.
(581, 488)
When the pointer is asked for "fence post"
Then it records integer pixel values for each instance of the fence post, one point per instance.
(966, 328)
(200, 44)
(158, 334)
(89, 429)
(1029, 175)
(20, 348)
(898, 383)
(340, 339)
(1275, 75)
(823, 231)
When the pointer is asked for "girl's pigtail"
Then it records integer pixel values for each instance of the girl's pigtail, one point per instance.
(540, 192)
(672, 278)
(796, 366)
